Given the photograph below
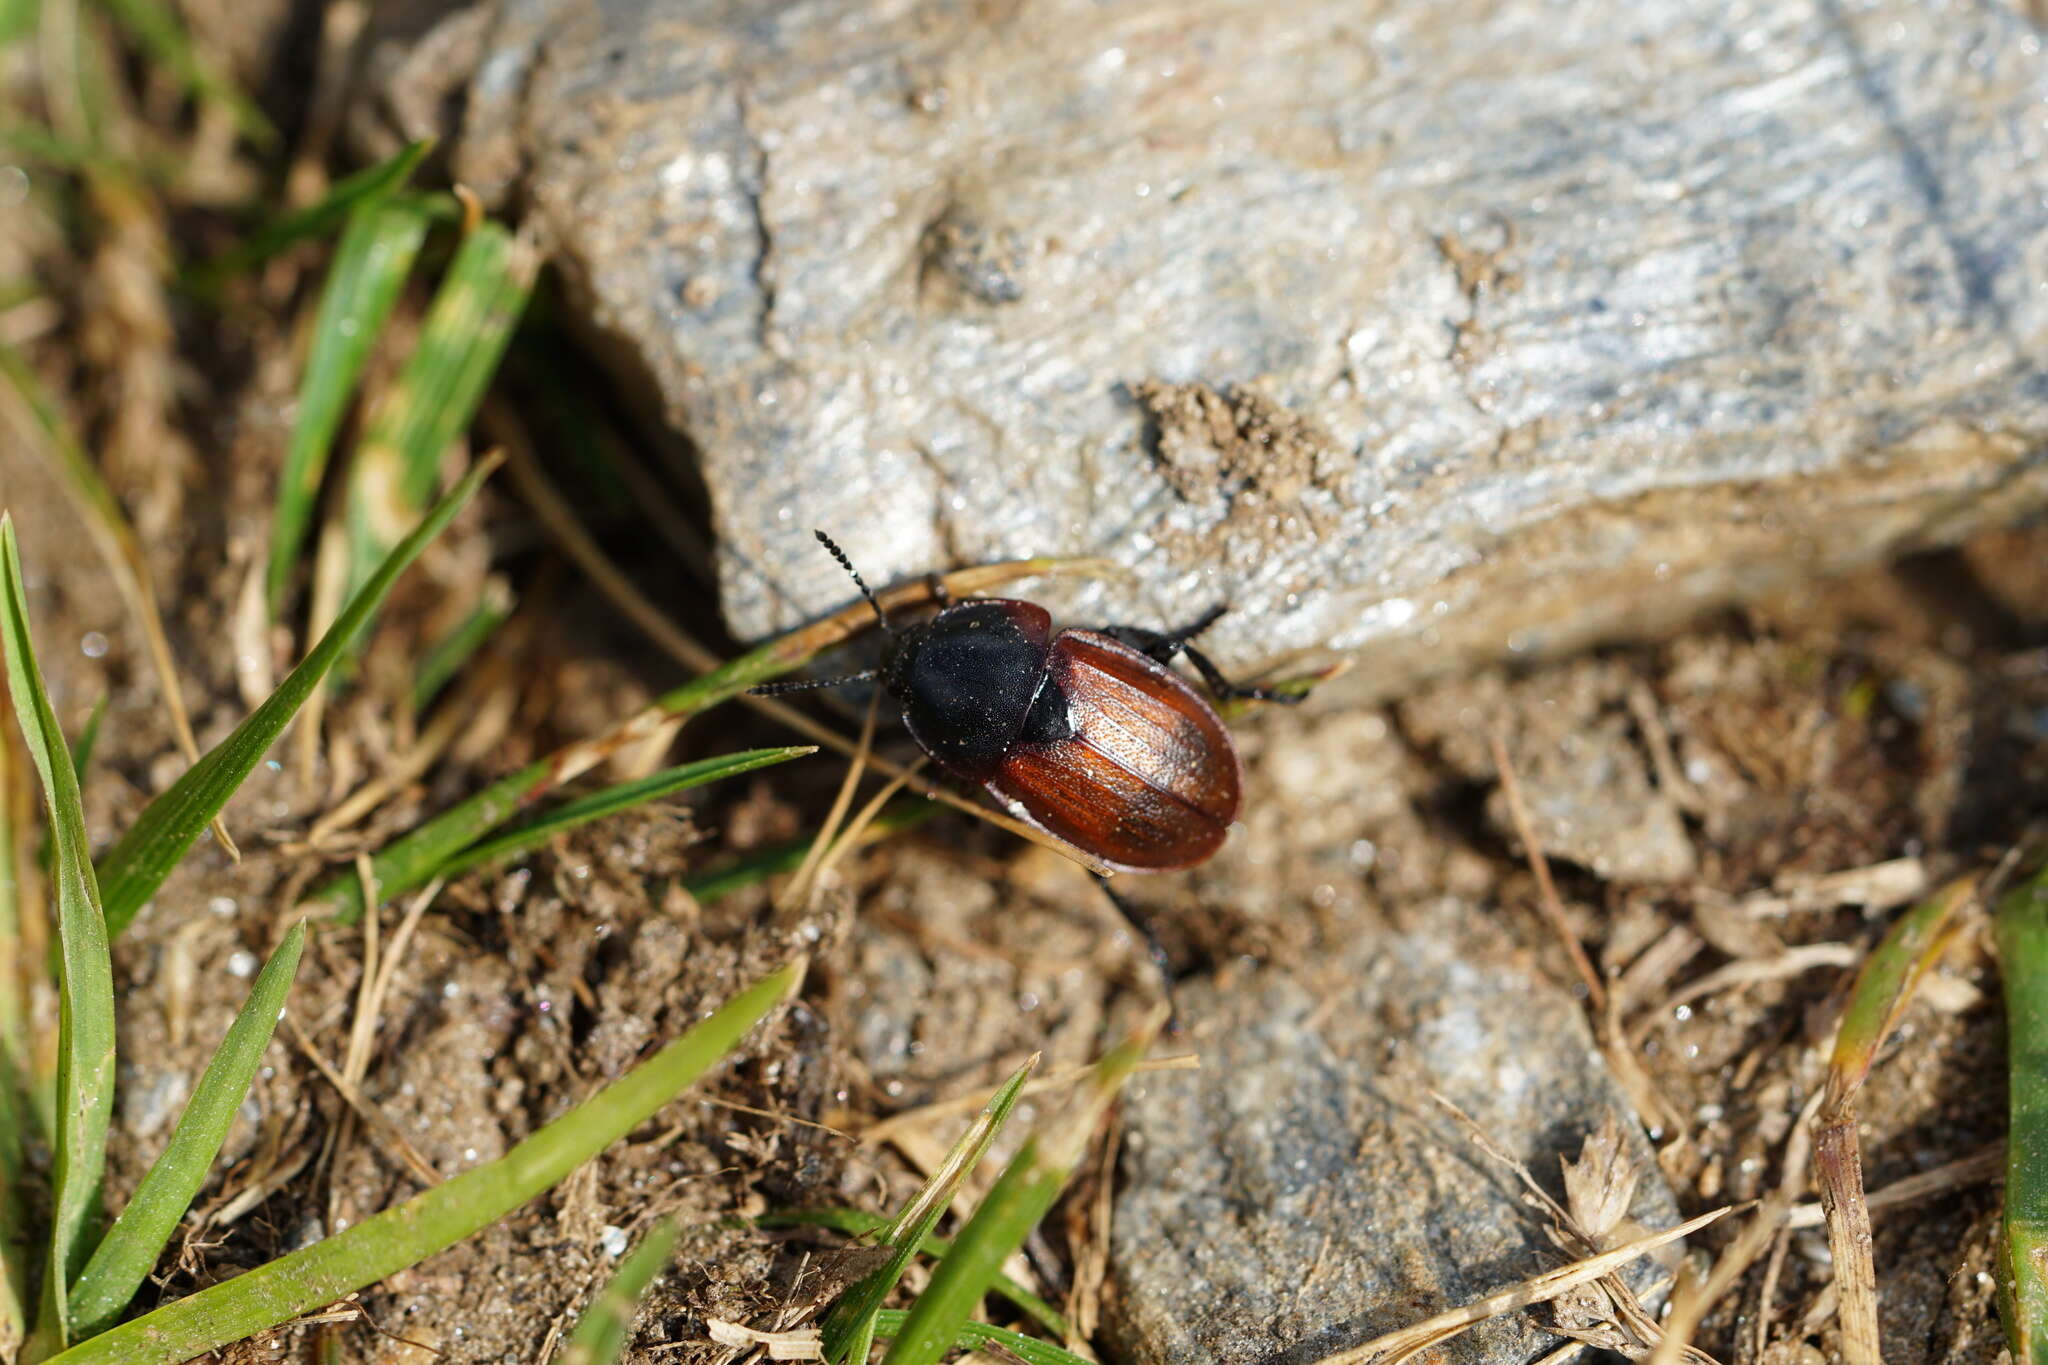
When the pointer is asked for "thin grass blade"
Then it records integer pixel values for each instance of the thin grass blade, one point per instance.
(85, 1066)
(904, 814)
(131, 1247)
(850, 1325)
(412, 861)
(600, 1334)
(1885, 984)
(1020, 1199)
(376, 254)
(974, 1336)
(135, 867)
(16, 1106)
(2023, 1244)
(466, 330)
(81, 756)
(316, 220)
(113, 537)
(860, 1223)
(160, 34)
(17, 17)
(408, 863)
(1884, 987)
(429, 1222)
(624, 796)
(446, 656)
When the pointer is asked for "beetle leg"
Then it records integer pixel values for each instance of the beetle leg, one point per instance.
(940, 593)
(1226, 690)
(1153, 947)
(1163, 645)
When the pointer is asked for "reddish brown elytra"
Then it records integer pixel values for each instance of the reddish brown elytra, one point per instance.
(1086, 734)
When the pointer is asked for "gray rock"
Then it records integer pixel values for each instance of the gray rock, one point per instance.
(1443, 330)
(1302, 1193)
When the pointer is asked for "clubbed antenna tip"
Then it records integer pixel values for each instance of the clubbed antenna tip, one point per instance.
(858, 582)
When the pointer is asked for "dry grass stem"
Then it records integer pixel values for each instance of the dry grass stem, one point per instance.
(800, 888)
(449, 722)
(1694, 1297)
(1547, 899)
(114, 537)
(1748, 972)
(887, 1129)
(1979, 1168)
(330, 585)
(1409, 1342)
(1794, 1164)
(857, 828)
(582, 547)
(359, 1106)
(799, 1343)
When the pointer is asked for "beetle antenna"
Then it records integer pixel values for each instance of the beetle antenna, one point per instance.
(776, 689)
(858, 582)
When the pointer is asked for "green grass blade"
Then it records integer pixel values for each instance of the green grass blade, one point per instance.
(411, 861)
(316, 220)
(898, 816)
(466, 330)
(612, 800)
(81, 756)
(88, 738)
(130, 1248)
(132, 869)
(1023, 1193)
(435, 1219)
(85, 1059)
(376, 254)
(975, 1335)
(407, 861)
(160, 34)
(17, 19)
(2023, 1246)
(860, 1223)
(601, 1333)
(1885, 985)
(850, 1326)
(446, 656)
(17, 1107)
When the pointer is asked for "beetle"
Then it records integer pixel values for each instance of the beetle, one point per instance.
(1087, 734)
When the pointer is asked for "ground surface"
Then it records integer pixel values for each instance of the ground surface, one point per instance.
(1696, 795)
(1900, 716)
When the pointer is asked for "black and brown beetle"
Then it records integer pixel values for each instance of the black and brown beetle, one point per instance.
(1086, 734)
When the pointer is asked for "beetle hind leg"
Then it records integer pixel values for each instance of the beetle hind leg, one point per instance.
(1155, 951)
(1164, 645)
(1226, 690)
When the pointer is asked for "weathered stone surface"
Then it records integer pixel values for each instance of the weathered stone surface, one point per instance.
(1303, 1194)
(1441, 329)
